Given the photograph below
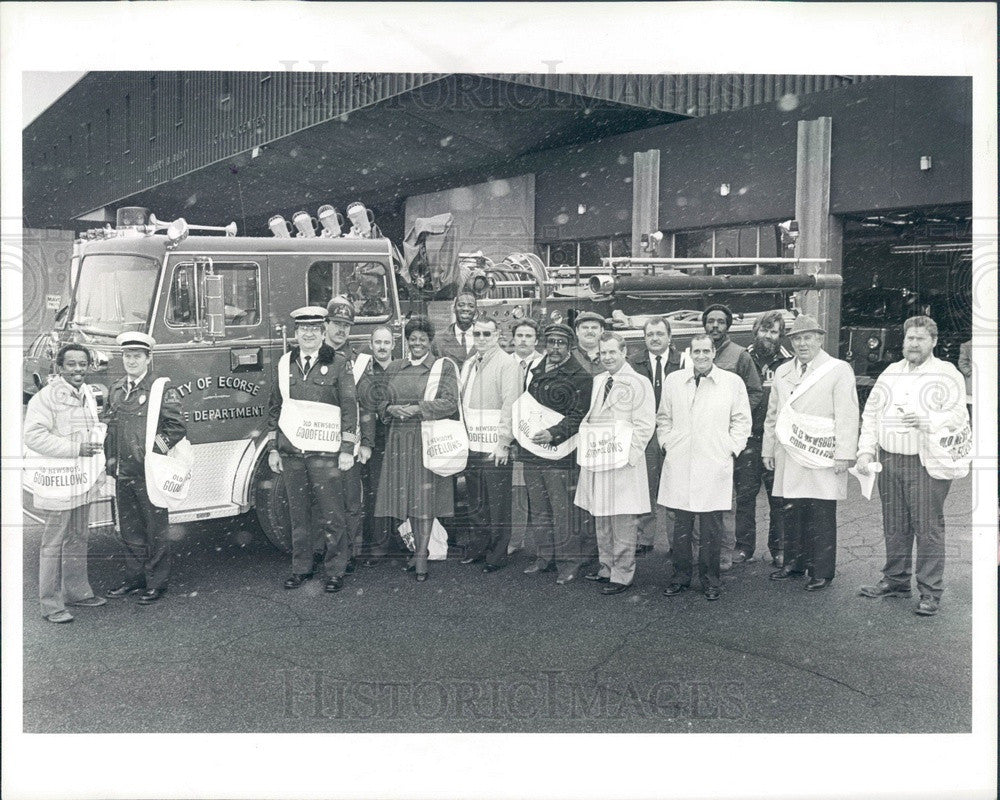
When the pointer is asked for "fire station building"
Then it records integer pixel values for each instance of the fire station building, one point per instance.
(875, 172)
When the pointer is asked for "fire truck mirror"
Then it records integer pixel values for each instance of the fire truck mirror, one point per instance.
(215, 308)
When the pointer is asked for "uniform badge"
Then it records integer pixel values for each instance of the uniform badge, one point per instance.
(323, 370)
(142, 399)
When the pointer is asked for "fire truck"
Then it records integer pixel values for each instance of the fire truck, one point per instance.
(218, 306)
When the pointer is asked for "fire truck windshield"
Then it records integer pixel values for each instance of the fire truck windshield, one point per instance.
(114, 293)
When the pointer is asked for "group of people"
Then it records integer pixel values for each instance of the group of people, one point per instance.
(589, 443)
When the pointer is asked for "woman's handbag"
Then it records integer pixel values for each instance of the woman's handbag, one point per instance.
(445, 441)
(168, 477)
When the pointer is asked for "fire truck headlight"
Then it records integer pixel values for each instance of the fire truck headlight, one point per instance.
(177, 231)
(873, 343)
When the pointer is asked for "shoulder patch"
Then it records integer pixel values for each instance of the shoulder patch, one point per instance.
(171, 396)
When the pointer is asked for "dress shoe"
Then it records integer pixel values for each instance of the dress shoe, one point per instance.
(597, 576)
(59, 616)
(712, 593)
(409, 566)
(334, 584)
(150, 596)
(539, 566)
(643, 549)
(488, 568)
(740, 557)
(927, 607)
(569, 577)
(421, 577)
(815, 584)
(884, 589)
(471, 560)
(351, 566)
(675, 588)
(369, 563)
(784, 574)
(126, 589)
(297, 579)
(725, 566)
(778, 559)
(615, 588)
(89, 602)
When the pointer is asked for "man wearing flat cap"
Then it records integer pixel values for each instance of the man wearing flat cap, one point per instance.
(143, 525)
(589, 327)
(560, 384)
(313, 416)
(810, 439)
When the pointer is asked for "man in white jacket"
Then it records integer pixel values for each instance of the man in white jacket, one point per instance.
(912, 400)
(702, 424)
(615, 496)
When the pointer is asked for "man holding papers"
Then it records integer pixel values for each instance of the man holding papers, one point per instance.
(810, 439)
(490, 383)
(546, 419)
(915, 405)
(611, 445)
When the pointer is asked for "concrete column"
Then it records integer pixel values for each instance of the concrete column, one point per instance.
(820, 235)
(645, 198)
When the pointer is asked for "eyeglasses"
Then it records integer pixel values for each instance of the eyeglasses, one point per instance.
(484, 334)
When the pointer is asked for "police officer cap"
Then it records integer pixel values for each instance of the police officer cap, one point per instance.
(589, 316)
(560, 329)
(340, 309)
(136, 339)
(309, 314)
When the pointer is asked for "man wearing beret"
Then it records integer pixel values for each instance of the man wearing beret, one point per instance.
(559, 382)
(339, 319)
(589, 327)
(810, 439)
(314, 447)
(144, 526)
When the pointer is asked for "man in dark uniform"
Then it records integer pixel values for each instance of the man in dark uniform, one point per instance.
(718, 319)
(371, 391)
(339, 319)
(657, 361)
(144, 526)
(589, 327)
(314, 474)
(560, 383)
(768, 354)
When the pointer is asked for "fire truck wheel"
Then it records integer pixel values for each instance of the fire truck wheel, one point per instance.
(271, 508)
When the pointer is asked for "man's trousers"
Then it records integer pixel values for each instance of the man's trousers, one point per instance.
(616, 536)
(709, 547)
(554, 523)
(318, 507)
(488, 489)
(62, 567)
(748, 474)
(811, 536)
(144, 530)
(912, 508)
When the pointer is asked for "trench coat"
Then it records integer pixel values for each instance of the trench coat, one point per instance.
(625, 490)
(835, 397)
(701, 429)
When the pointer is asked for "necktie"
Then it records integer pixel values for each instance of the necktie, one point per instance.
(129, 387)
(802, 368)
(607, 389)
(306, 366)
(524, 374)
(461, 338)
(658, 383)
(697, 379)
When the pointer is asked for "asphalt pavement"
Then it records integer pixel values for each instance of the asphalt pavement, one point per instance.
(230, 650)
